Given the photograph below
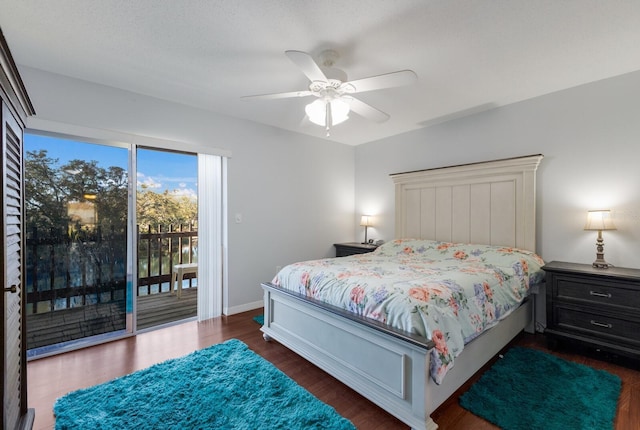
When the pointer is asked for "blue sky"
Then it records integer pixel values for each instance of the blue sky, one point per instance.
(159, 170)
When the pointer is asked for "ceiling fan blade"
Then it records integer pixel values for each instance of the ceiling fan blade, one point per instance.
(393, 79)
(367, 111)
(305, 93)
(309, 67)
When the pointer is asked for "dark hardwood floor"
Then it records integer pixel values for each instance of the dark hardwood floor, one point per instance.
(52, 377)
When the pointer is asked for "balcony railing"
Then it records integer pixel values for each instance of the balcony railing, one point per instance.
(76, 281)
(159, 251)
(68, 270)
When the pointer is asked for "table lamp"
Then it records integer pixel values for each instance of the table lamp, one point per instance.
(600, 220)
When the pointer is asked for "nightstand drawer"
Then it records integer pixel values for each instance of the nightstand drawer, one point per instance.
(599, 308)
(603, 326)
(601, 292)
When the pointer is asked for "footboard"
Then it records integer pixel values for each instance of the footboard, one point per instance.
(388, 367)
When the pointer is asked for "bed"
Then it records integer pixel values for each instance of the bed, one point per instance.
(490, 203)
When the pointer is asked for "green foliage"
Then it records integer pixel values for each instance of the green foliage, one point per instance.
(160, 210)
(45, 198)
(49, 189)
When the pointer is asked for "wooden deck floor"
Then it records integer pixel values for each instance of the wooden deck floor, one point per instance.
(71, 324)
(162, 308)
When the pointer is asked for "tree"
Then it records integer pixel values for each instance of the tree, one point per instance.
(164, 209)
(50, 189)
(45, 197)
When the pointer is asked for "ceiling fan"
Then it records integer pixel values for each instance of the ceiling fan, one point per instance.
(334, 92)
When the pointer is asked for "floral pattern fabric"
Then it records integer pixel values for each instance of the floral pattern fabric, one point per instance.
(448, 293)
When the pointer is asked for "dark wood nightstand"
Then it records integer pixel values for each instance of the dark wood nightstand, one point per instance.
(350, 248)
(596, 307)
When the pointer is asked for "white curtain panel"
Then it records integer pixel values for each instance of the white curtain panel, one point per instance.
(210, 235)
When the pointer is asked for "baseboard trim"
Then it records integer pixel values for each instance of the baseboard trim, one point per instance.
(243, 308)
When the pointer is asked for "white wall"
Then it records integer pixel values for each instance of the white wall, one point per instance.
(590, 137)
(295, 193)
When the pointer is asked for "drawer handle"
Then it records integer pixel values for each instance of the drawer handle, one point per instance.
(599, 324)
(597, 294)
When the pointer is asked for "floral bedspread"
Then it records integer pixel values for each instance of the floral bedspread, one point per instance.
(445, 292)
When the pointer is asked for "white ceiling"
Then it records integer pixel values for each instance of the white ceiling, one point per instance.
(469, 55)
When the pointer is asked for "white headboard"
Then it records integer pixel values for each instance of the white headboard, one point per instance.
(492, 203)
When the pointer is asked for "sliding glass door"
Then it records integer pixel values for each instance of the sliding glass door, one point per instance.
(167, 232)
(112, 241)
(76, 198)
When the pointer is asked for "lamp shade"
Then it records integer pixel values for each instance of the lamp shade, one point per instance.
(366, 221)
(599, 220)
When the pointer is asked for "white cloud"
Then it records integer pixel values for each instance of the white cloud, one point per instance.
(150, 183)
(185, 192)
(159, 183)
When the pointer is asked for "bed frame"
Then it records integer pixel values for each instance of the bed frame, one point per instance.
(487, 203)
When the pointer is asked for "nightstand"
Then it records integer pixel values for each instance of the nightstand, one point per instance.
(350, 248)
(596, 307)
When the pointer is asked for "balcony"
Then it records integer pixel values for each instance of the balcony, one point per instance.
(76, 283)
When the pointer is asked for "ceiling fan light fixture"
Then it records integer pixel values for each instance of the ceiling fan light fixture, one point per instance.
(339, 111)
(317, 111)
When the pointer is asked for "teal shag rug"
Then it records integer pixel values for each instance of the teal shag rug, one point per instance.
(259, 319)
(225, 386)
(530, 389)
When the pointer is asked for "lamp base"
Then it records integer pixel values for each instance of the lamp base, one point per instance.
(601, 264)
(365, 235)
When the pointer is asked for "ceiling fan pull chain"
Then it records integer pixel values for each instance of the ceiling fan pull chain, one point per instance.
(328, 119)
